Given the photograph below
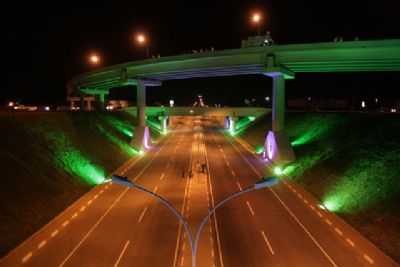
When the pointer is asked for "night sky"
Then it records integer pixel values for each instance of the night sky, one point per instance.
(44, 45)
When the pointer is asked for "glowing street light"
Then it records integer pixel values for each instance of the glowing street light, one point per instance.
(94, 59)
(141, 39)
(256, 19)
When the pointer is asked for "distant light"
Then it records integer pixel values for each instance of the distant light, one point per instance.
(141, 38)
(256, 18)
(141, 152)
(10, 104)
(322, 207)
(278, 170)
(47, 108)
(376, 100)
(191, 111)
(363, 105)
(309, 98)
(109, 107)
(267, 98)
(171, 103)
(94, 59)
(393, 110)
(251, 118)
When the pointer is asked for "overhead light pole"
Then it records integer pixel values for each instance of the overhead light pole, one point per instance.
(142, 40)
(263, 183)
(256, 19)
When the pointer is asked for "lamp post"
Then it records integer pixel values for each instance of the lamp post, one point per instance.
(256, 20)
(263, 183)
(141, 39)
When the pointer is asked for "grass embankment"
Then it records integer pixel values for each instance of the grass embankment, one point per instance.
(351, 162)
(48, 160)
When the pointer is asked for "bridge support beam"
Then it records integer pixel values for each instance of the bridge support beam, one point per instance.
(142, 138)
(277, 146)
(101, 101)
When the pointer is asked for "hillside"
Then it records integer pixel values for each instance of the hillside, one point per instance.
(350, 161)
(48, 160)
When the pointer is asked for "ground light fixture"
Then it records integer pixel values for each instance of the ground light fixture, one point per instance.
(278, 170)
(193, 240)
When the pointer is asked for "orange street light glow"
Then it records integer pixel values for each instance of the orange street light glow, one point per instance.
(95, 59)
(141, 38)
(256, 18)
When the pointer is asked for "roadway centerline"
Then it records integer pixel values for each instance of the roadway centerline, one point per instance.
(267, 242)
(122, 253)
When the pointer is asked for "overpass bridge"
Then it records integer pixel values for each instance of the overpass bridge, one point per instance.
(280, 62)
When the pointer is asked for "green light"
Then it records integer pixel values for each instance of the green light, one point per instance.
(121, 126)
(259, 149)
(141, 152)
(251, 118)
(278, 170)
(73, 161)
(130, 151)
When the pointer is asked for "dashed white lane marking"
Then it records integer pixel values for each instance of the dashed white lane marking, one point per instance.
(83, 208)
(368, 258)
(162, 176)
(26, 257)
(101, 191)
(42, 244)
(351, 243)
(65, 223)
(182, 260)
(320, 214)
(240, 187)
(328, 222)
(54, 233)
(74, 215)
(142, 215)
(337, 230)
(227, 163)
(156, 189)
(122, 253)
(89, 202)
(304, 228)
(305, 201)
(233, 173)
(312, 207)
(267, 242)
(95, 196)
(93, 227)
(250, 208)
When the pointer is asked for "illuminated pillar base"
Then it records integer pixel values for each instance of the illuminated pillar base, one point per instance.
(278, 148)
(226, 123)
(142, 138)
(164, 124)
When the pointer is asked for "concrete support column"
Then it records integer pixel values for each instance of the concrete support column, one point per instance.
(141, 103)
(277, 146)
(278, 102)
(81, 103)
(101, 101)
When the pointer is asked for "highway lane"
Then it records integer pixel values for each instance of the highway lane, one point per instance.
(340, 244)
(113, 226)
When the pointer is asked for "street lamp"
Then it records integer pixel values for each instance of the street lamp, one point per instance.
(263, 183)
(94, 59)
(256, 20)
(141, 39)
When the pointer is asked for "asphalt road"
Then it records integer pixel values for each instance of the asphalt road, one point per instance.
(194, 167)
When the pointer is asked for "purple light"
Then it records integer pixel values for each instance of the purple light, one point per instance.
(270, 145)
(146, 138)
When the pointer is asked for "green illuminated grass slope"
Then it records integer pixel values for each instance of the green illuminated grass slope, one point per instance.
(350, 161)
(48, 160)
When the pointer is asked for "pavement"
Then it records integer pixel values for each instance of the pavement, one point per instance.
(194, 168)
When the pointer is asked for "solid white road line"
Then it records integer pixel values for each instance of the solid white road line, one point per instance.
(142, 214)
(54, 233)
(250, 208)
(122, 253)
(267, 242)
(27, 257)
